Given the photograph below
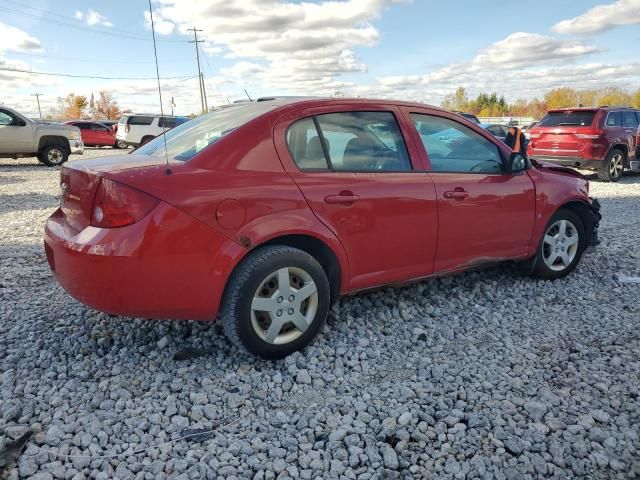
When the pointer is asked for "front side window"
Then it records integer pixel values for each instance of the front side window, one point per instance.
(5, 118)
(452, 147)
(629, 120)
(614, 119)
(364, 142)
(97, 126)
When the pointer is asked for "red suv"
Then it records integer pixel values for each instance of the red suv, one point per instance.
(265, 212)
(604, 139)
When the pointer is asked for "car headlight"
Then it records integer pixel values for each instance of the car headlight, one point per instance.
(74, 136)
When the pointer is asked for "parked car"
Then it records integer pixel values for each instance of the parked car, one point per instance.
(469, 116)
(527, 129)
(97, 134)
(265, 213)
(604, 139)
(51, 143)
(138, 129)
(498, 131)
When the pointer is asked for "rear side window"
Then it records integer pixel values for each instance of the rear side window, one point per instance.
(97, 126)
(582, 118)
(82, 126)
(167, 122)
(354, 141)
(614, 119)
(629, 120)
(140, 120)
(305, 145)
(364, 142)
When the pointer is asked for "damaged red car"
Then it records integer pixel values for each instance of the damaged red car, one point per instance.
(263, 213)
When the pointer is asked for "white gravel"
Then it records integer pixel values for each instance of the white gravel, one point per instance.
(485, 375)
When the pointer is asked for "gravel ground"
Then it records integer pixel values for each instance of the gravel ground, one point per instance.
(484, 375)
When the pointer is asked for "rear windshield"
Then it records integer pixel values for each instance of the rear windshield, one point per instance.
(190, 138)
(582, 118)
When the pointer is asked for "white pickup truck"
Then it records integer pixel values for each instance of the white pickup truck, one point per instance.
(52, 143)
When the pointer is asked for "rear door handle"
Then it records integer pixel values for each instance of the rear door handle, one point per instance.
(342, 197)
(457, 194)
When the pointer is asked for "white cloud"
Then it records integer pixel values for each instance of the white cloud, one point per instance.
(602, 17)
(91, 17)
(12, 38)
(161, 25)
(298, 46)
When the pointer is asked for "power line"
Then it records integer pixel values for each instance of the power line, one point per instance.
(55, 57)
(74, 23)
(90, 76)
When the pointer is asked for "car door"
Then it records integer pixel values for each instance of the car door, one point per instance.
(16, 134)
(361, 182)
(484, 213)
(630, 126)
(101, 134)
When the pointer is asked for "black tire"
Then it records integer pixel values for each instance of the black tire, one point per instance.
(146, 139)
(53, 155)
(120, 144)
(541, 268)
(236, 311)
(613, 166)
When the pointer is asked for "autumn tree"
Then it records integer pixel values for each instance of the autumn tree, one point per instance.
(457, 101)
(614, 96)
(106, 107)
(561, 98)
(635, 99)
(74, 106)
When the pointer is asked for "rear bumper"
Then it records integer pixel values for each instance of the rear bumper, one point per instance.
(168, 265)
(575, 162)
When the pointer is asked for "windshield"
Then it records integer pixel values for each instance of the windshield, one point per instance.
(190, 138)
(581, 118)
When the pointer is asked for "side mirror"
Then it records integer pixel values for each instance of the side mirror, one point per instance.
(517, 162)
(18, 122)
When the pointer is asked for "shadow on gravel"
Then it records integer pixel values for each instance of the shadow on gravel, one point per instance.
(11, 179)
(27, 201)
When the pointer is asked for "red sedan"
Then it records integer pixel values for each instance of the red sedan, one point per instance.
(95, 134)
(264, 213)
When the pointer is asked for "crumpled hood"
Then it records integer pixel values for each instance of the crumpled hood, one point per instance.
(56, 127)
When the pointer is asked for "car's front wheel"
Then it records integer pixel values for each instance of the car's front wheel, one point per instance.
(561, 246)
(53, 155)
(275, 302)
(120, 144)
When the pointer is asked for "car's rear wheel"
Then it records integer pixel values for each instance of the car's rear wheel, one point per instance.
(53, 155)
(561, 246)
(613, 166)
(120, 144)
(146, 139)
(276, 302)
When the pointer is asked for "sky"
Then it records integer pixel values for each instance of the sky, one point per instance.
(415, 50)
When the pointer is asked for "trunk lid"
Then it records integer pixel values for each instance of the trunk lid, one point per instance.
(563, 132)
(79, 181)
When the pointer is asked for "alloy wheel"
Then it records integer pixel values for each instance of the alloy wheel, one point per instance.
(616, 165)
(284, 305)
(560, 245)
(55, 156)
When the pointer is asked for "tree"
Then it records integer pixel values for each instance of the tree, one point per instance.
(74, 106)
(614, 96)
(106, 107)
(458, 101)
(561, 98)
(635, 99)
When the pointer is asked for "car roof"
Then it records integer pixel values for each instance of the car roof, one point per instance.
(284, 103)
(590, 109)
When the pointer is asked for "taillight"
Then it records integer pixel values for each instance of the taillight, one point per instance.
(117, 205)
(588, 136)
(127, 128)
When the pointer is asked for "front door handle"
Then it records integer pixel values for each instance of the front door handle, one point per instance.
(346, 197)
(456, 194)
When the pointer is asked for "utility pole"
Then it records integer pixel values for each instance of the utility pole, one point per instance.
(37, 95)
(173, 104)
(204, 94)
(196, 42)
